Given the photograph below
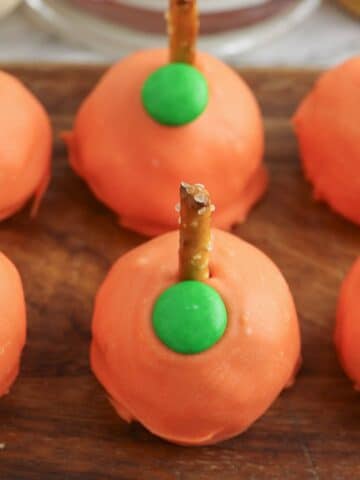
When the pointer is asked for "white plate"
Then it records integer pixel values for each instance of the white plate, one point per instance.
(204, 5)
(114, 40)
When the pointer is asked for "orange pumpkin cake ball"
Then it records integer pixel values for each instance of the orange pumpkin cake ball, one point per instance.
(12, 323)
(327, 125)
(158, 117)
(25, 147)
(347, 332)
(196, 355)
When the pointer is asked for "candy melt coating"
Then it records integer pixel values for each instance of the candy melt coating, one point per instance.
(135, 165)
(205, 398)
(347, 332)
(189, 317)
(175, 94)
(327, 124)
(25, 147)
(12, 323)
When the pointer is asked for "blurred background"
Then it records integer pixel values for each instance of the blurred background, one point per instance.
(252, 32)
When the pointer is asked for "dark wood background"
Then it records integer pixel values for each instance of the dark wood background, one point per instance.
(56, 424)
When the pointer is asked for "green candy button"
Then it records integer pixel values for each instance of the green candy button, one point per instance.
(189, 317)
(175, 94)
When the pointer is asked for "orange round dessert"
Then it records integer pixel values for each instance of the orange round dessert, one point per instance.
(12, 323)
(210, 396)
(25, 147)
(134, 163)
(347, 332)
(327, 125)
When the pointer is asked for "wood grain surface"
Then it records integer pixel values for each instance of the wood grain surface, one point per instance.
(57, 424)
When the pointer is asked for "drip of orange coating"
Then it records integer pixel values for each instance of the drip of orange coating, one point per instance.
(12, 323)
(183, 27)
(347, 331)
(195, 233)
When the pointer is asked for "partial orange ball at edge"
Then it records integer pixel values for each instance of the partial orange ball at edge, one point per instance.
(327, 124)
(25, 147)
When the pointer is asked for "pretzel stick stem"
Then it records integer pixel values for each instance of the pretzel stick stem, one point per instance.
(195, 232)
(183, 27)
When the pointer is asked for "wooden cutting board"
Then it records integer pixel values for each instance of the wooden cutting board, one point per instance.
(57, 424)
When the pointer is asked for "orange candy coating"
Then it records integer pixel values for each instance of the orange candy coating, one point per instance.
(347, 332)
(205, 398)
(327, 124)
(25, 147)
(134, 165)
(12, 323)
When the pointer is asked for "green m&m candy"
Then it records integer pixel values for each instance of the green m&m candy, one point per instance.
(189, 317)
(175, 94)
